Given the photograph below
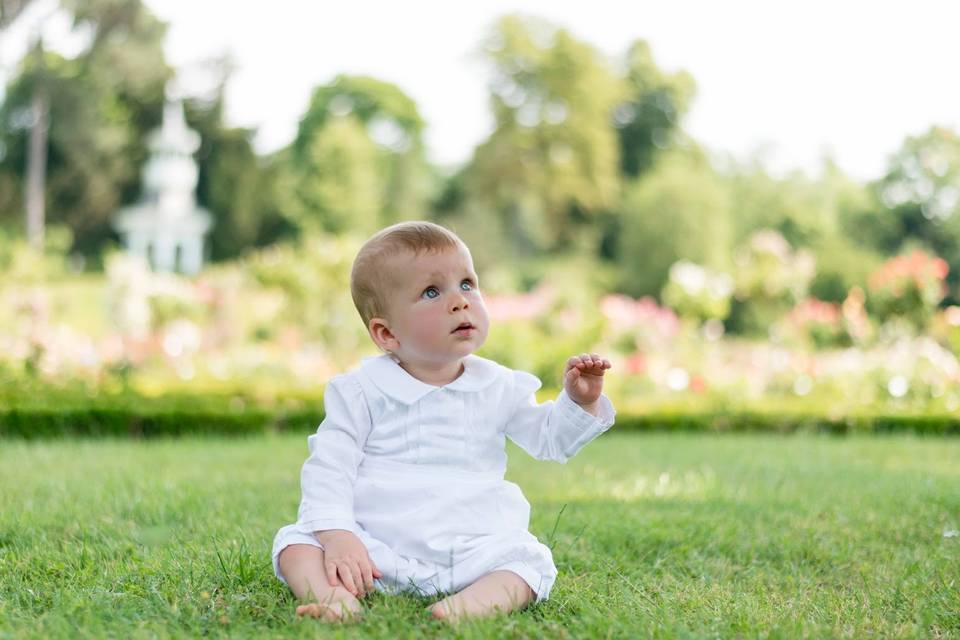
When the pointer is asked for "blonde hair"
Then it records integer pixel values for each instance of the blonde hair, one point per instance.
(369, 274)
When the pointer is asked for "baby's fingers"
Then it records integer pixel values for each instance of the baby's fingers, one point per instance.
(597, 365)
(358, 578)
(602, 364)
(346, 576)
(367, 573)
(588, 361)
(330, 567)
(356, 569)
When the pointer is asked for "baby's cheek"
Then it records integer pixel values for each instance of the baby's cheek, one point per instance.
(431, 329)
(427, 332)
(482, 318)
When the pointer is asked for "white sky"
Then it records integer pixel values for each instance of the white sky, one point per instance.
(796, 79)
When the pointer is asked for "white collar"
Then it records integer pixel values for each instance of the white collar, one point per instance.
(396, 382)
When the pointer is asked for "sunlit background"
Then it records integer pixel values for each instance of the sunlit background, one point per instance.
(745, 205)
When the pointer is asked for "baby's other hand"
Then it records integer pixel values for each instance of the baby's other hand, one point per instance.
(583, 379)
(347, 562)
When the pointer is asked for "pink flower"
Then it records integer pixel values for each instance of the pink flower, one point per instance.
(625, 313)
(519, 306)
(698, 384)
(917, 266)
(813, 310)
(636, 364)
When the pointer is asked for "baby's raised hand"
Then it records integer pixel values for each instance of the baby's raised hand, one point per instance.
(347, 562)
(583, 379)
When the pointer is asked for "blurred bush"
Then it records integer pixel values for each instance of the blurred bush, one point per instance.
(22, 264)
(908, 288)
(769, 279)
(698, 293)
(312, 277)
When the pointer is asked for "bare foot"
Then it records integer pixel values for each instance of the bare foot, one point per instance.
(302, 567)
(496, 592)
(344, 609)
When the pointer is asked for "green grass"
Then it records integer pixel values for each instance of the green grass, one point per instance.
(664, 535)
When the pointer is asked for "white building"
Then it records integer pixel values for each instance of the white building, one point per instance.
(167, 227)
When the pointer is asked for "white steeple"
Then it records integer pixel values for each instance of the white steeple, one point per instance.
(166, 226)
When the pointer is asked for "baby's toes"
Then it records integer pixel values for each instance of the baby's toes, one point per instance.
(312, 610)
(333, 611)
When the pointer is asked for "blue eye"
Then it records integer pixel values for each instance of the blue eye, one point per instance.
(430, 293)
(466, 285)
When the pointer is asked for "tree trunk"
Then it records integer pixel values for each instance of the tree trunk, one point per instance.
(37, 167)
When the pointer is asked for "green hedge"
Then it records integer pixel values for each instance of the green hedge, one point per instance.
(127, 422)
(123, 422)
(751, 421)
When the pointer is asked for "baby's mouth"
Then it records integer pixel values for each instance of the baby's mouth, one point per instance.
(463, 327)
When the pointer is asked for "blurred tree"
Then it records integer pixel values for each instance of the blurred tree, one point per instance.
(35, 171)
(334, 182)
(920, 199)
(10, 10)
(502, 265)
(842, 264)
(648, 120)
(820, 213)
(551, 165)
(235, 185)
(101, 104)
(794, 205)
(844, 259)
(358, 161)
(680, 210)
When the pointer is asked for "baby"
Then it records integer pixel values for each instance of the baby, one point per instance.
(404, 488)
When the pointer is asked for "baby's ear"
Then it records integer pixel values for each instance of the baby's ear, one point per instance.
(381, 334)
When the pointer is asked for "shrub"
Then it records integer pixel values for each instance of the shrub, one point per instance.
(909, 287)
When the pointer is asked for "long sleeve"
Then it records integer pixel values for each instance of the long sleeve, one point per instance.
(336, 449)
(557, 429)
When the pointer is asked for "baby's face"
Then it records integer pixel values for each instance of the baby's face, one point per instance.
(435, 310)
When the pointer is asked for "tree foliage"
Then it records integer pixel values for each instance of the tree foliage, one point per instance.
(236, 185)
(920, 196)
(102, 104)
(678, 211)
(649, 119)
(10, 10)
(358, 159)
(551, 164)
(587, 163)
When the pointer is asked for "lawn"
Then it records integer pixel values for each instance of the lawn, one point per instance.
(655, 534)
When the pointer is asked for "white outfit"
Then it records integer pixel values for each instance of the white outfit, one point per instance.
(416, 472)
